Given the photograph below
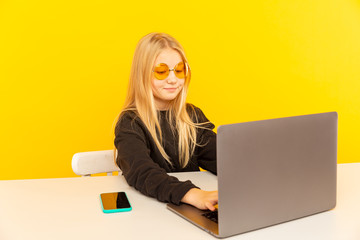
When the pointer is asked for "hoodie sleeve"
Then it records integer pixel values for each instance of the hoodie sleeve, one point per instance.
(206, 137)
(140, 170)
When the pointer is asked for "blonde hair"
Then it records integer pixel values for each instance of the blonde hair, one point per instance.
(140, 97)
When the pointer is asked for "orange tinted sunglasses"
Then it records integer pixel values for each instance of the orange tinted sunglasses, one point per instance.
(162, 70)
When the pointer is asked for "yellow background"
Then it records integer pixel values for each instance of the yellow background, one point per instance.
(64, 67)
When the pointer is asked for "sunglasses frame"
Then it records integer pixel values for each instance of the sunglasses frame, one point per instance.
(173, 69)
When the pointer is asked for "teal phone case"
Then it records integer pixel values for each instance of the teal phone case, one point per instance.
(117, 209)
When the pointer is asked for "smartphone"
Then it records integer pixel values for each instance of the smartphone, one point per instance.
(114, 202)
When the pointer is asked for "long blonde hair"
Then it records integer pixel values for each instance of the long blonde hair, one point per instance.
(140, 97)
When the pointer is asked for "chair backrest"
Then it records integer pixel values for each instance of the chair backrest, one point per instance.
(87, 163)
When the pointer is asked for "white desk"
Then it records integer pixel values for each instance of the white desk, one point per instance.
(69, 208)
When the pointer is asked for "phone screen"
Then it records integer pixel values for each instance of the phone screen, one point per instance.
(115, 202)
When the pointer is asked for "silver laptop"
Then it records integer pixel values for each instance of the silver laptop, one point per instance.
(270, 172)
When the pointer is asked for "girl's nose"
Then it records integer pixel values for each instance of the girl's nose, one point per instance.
(171, 78)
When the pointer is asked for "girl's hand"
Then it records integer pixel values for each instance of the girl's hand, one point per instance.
(201, 199)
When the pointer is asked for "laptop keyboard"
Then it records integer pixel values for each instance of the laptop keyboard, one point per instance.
(213, 216)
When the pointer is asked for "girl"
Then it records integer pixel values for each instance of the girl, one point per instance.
(158, 132)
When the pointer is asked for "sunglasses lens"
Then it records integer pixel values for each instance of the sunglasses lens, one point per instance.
(161, 71)
(180, 70)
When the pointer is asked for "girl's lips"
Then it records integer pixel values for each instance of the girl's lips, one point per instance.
(170, 89)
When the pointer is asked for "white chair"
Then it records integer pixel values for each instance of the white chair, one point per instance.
(87, 163)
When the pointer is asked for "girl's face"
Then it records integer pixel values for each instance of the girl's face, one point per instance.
(166, 90)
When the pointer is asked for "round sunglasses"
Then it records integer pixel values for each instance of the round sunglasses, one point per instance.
(162, 70)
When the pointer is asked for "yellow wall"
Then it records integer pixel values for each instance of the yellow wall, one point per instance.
(64, 67)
